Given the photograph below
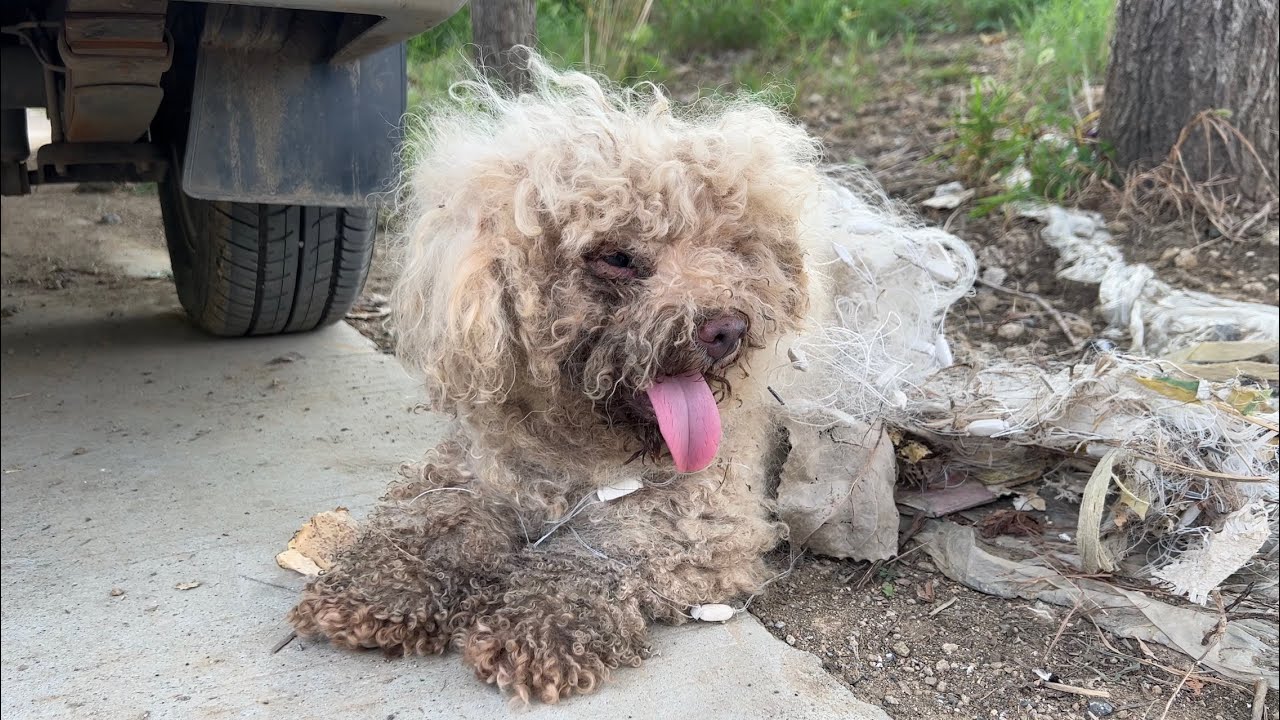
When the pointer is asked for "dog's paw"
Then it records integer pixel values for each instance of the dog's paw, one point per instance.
(350, 623)
(545, 657)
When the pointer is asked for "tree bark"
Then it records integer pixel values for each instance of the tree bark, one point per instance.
(1171, 59)
(497, 26)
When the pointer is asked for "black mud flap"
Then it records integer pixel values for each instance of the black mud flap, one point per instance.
(288, 127)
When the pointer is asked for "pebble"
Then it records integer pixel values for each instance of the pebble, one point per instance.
(1011, 331)
(942, 666)
(1100, 708)
(1186, 260)
(1253, 288)
(950, 648)
(901, 650)
(109, 219)
(931, 681)
(791, 639)
(779, 624)
(942, 686)
(890, 700)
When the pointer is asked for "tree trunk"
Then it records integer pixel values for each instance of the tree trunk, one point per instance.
(1171, 59)
(497, 26)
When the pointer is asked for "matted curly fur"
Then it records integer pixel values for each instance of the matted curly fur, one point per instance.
(517, 310)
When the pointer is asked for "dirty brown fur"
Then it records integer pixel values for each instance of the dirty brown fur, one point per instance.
(543, 359)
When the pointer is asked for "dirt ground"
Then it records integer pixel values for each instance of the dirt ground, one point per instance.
(875, 629)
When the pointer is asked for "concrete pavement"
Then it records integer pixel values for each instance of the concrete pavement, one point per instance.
(141, 458)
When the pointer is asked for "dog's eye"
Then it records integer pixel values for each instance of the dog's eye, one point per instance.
(615, 265)
(617, 259)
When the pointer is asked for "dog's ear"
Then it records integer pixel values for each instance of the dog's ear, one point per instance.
(450, 310)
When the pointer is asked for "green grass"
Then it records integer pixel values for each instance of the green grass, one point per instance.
(1065, 44)
(795, 49)
(792, 40)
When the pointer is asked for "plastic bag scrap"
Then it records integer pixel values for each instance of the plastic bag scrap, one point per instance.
(1246, 650)
(1191, 442)
(836, 494)
(1158, 318)
(1179, 455)
(881, 282)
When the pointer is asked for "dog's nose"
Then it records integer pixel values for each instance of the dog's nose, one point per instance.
(720, 335)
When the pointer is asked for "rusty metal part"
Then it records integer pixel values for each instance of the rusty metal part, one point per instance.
(89, 162)
(115, 54)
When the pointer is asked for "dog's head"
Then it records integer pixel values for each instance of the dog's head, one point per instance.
(589, 258)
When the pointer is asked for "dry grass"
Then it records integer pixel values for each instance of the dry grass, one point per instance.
(1192, 190)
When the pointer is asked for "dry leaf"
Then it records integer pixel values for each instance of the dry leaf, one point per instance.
(913, 452)
(925, 592)
(313, 548)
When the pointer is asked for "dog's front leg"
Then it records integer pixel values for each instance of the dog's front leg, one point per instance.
(576, 607)
(567, 619)
(422, 568)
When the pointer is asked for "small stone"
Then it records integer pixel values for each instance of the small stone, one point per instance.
(1100, 708)
(942, 666)
(779, 624)
(1253, 288)
(987, 301)
(1186, 260)
(931, 681)
(791, 639)
(815, 99)
(890, 700)
(109, 219)
(942, 686)
(901, 650)
(950, 648)
(117, 592)
(1011, 331)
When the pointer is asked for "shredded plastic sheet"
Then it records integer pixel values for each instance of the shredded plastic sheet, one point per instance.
(1245, 651)
(1195, 447)
(1196, 572)
(836, 493)
(1157, 317)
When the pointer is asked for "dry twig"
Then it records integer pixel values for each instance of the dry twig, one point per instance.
(1051, 310)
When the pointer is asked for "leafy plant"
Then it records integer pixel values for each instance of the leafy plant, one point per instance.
(1022, 151)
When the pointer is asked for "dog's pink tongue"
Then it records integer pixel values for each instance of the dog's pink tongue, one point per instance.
(689, 420)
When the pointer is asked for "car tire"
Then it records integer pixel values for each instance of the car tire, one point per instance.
(257, 269)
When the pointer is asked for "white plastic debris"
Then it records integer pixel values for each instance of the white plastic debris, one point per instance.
(1158, 317)
(711, 612)
(948, 196)
(618, 489)
(1198, 571)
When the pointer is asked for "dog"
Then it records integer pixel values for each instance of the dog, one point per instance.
(596, 285)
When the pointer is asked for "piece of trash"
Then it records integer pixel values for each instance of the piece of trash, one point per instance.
(836, 493)
(798, 359)
(943, 499)
(619, 489)
(1199, 570)
(1029, 502)
(1245, 650)
(712, 612)
(948, 196)
(1158, 317)
(315, 545)
(187, 585)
